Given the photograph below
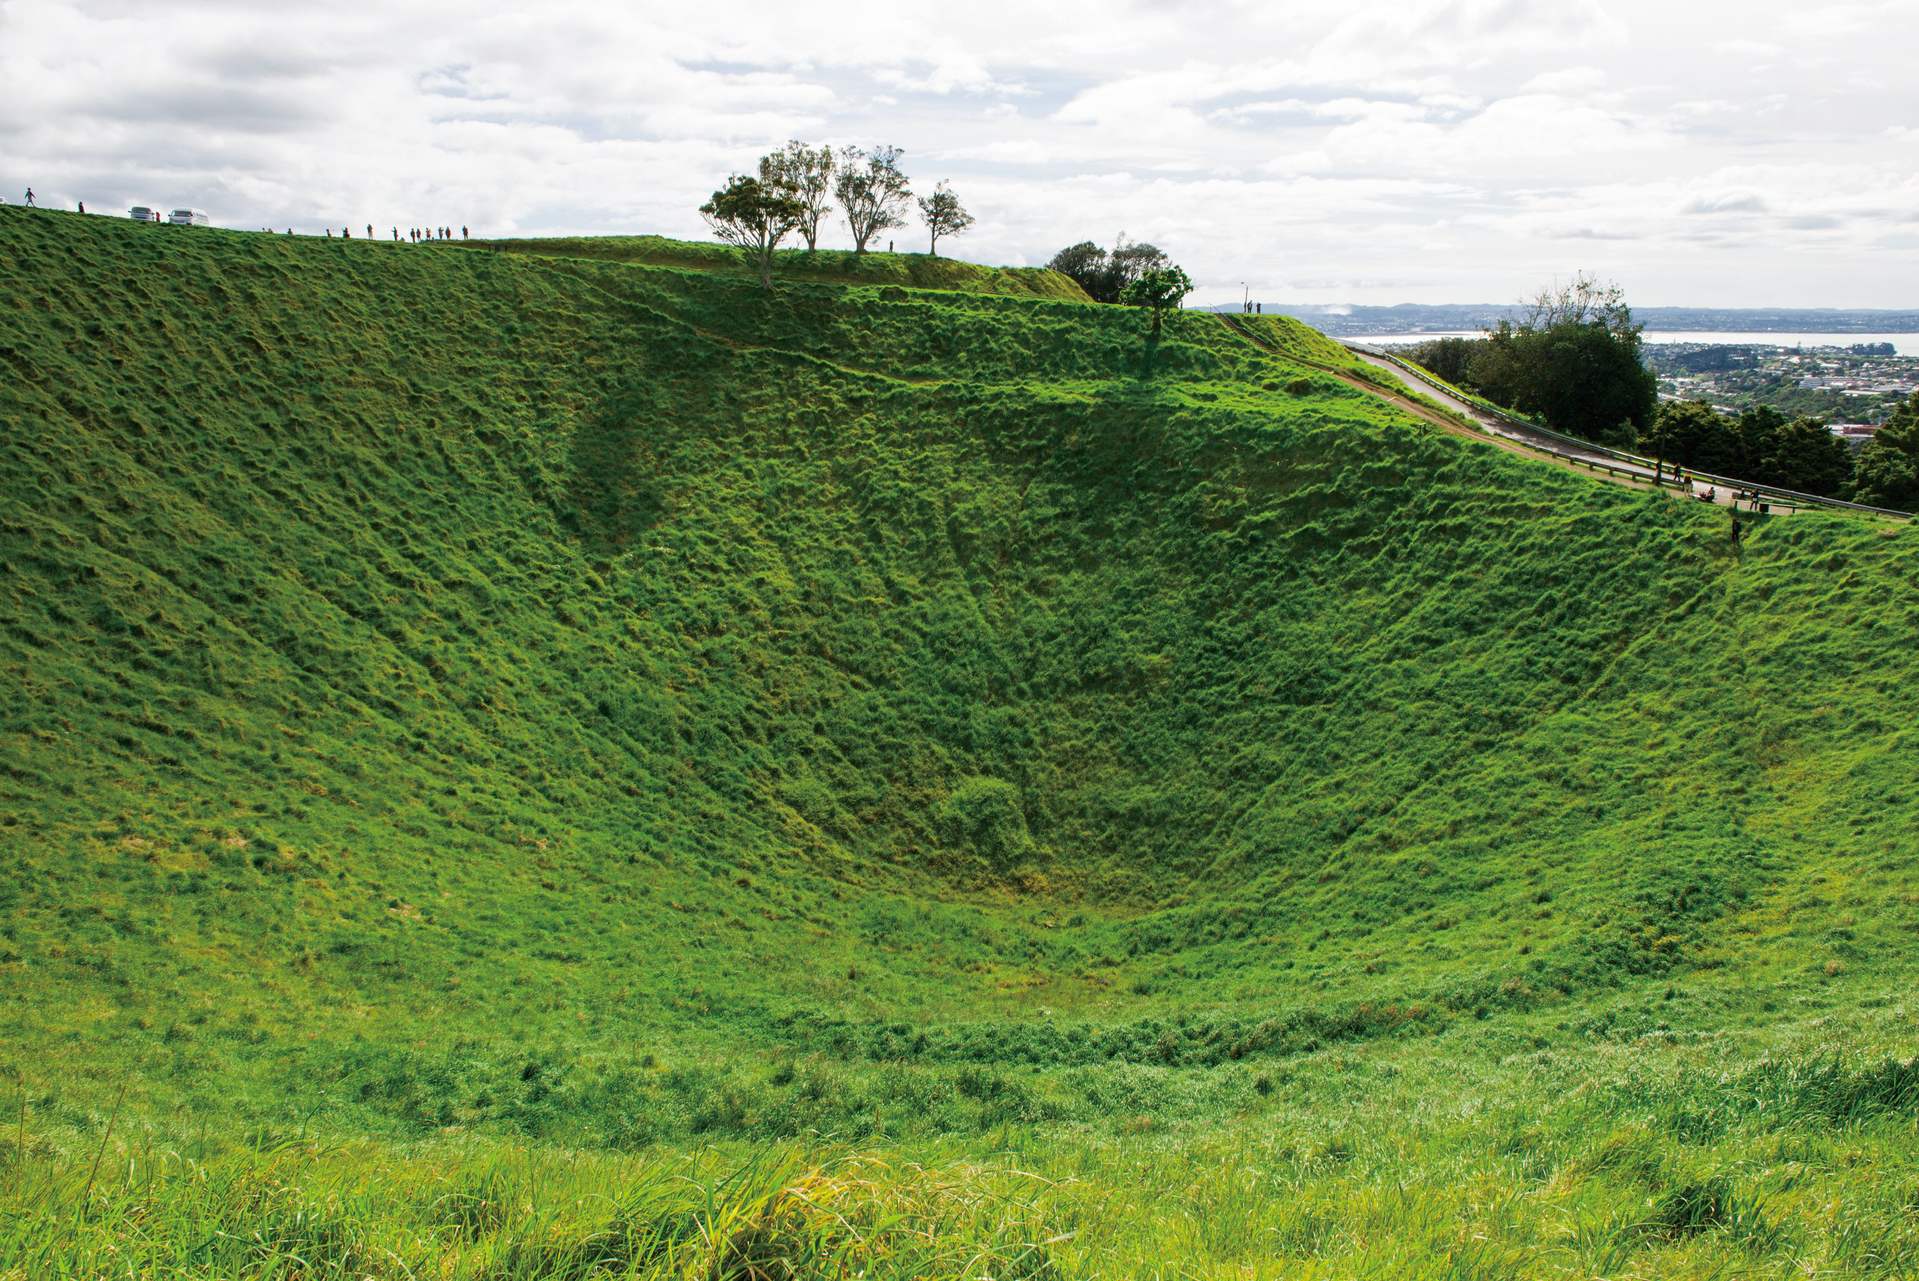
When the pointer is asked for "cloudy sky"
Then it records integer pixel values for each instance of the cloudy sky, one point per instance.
(1709, 152)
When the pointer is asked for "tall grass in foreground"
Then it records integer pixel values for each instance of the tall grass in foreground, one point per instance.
(308, 1211)
(1795, 1167)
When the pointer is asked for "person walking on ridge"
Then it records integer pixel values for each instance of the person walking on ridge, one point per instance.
(30, 197)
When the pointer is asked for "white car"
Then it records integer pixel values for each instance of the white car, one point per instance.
(189, 218)
(140, 213)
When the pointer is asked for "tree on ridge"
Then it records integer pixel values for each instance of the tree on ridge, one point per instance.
(944, 215)
(807, 174)
(1159, 291)
(872, 192)
(754, 215)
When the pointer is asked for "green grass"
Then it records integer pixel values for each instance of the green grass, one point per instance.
(833, 266)
(900, 780)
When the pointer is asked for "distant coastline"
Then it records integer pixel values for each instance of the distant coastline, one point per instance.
(1437, 319)
(1904, 343)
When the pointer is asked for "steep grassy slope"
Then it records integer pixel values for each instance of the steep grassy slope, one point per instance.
(595, 703)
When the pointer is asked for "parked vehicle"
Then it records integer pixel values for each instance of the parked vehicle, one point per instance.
(140, 213)
(189, 218)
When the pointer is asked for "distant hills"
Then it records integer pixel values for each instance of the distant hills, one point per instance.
(1341, 320)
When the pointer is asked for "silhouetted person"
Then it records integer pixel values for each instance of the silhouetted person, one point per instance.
(464, 235)
(346, 233)
(29, 197)
(369, 231)
(83, 206)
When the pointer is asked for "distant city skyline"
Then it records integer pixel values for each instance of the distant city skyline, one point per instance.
(1706, 154)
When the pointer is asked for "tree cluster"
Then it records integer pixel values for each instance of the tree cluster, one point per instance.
(1573, 360)
(1760, 445)
(796, 188)
(1106, 275)
(1886, 472)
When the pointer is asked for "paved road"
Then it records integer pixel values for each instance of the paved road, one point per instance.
(1505, 430)
(1515, 435)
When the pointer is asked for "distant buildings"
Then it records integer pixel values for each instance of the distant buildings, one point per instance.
(1850, 386)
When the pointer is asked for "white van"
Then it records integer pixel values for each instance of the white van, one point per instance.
(140, 213)
(188, 218)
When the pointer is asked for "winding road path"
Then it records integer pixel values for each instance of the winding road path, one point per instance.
(1616, 469)
(1450, 411)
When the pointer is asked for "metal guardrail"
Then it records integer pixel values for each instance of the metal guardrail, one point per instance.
(1785, 497)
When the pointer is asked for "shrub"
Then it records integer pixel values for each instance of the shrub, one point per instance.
(983, 817)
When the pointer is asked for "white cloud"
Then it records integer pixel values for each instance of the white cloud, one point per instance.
(1566, 80)
(1009, 152)
(1402, 149)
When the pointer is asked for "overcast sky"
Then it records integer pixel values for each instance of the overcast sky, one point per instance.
(1710, 152)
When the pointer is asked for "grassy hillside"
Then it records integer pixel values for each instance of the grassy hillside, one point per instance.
(828, 266)
(531, 765)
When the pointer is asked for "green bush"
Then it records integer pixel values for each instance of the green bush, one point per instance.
(983, 818)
